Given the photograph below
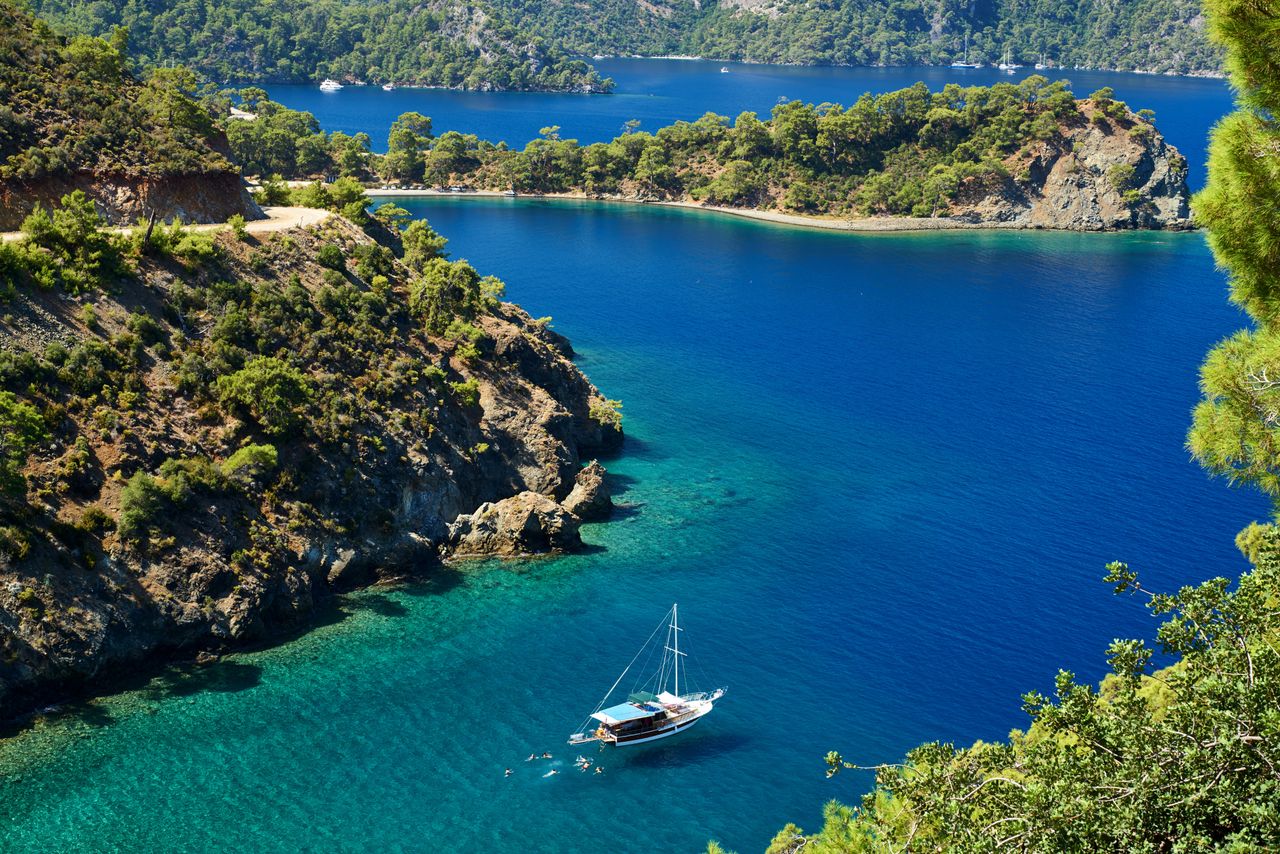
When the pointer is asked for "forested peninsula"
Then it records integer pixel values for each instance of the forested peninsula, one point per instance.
(1160, 757)
(204, 434)
(1014, 155)
(453, 44)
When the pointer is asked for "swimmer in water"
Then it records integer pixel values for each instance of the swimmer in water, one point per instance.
(546, 756)
(551, 773)
(532, 756)
(599, 770)
(508, 774)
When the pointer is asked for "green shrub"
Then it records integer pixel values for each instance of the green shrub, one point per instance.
(21, 430)
(313, 195)
(273, 192)
(468, 392)
(270, 391)
(249, 463)
(195, 248)
(606, 412)
(14, 542)
(140, 501)
(1121, 176)
(145, 327)
(238, 227)
(331, 256)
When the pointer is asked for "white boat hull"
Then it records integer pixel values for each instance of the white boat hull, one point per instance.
(663, 734)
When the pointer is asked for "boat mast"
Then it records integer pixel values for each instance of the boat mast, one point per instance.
(673, 632)
(675, 624)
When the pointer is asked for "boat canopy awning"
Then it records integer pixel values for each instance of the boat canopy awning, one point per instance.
(621, 713)
(642, 697)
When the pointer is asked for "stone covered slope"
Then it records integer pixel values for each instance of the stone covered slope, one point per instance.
(1107, 172)
(151, 525)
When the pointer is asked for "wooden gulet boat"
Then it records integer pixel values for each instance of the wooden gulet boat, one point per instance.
(651, 711)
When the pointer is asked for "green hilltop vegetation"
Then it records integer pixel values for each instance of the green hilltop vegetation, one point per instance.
(1180, 758)
(1139, 35)
(1146, 35)
(526, 44)
(70, 105)
(447, 43)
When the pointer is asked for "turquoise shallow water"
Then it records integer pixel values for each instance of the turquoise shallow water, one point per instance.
(880, 473)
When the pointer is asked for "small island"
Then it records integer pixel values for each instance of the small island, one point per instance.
(1026, 155)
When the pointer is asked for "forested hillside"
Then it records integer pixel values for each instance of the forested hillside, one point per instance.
(73, 117)
(437, 43)
(526, 44)
(1140, 35)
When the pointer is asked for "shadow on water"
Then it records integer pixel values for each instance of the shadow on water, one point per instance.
(440, 581)
(620, 484)
(377, 603)
(634, 448)
(224, 677)
(626, 511)
(687, 749)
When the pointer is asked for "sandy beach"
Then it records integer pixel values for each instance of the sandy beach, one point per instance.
(862, 224)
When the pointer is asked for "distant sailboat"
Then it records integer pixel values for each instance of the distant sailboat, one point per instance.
(724, 69)
(966, 63)
(651, 711)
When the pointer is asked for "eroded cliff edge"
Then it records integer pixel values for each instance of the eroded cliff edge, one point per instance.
(229, 441)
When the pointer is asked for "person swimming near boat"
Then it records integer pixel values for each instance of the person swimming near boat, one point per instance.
(599, 770)
(508, 773)
(546, 756)
(551, 773)
(532, 756)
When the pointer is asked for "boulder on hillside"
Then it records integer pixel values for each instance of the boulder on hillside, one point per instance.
(525, 524)
(590, 500)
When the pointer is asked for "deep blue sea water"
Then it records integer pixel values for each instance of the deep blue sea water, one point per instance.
(659, 92)
(880, 473)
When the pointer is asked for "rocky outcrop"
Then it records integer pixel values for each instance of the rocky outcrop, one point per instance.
(524, 524)
(126, 199)
(589, 499)
(414, 453)
(1102, 174)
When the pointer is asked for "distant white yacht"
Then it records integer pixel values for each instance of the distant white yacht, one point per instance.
(966, 63)
(328, 85)
(724, 69)
(388, 87)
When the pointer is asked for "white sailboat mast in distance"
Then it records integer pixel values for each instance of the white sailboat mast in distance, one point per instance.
(651, 711)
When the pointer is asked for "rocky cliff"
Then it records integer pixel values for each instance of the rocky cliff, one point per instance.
(126, 199)
(228, 442)
(1103, 173)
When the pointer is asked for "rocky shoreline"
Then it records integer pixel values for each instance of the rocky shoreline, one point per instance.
(455, 448)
